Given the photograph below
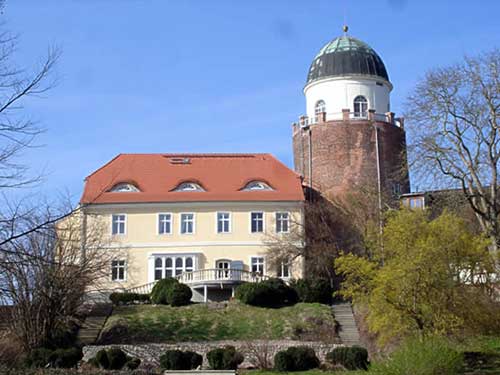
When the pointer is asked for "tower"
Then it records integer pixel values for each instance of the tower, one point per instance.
(349, 138)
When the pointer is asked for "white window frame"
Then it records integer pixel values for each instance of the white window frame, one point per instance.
(229, 220)
(360, 113)
(158, 223)
(319, 107)
(124, 224)
(287, 220)
(174, 268)
(282, 268)
(118, 267)
(124, 187)
(263, 221)
(180, 223)
(257, 185)
(252, 257)
(188, 186)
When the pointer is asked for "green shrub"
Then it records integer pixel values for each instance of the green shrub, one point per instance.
(226, 358)
(313, 290)
(431, 356)
(296, 358)
(179, 295)
(101, 359)
(38, 357)
(267, 293)
(179, 360)
(159, 294)
(65, 358)
(132, 363)
(117, 358)
(352, 358)
(128, 298)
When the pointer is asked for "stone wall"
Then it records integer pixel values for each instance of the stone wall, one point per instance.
(150, 353)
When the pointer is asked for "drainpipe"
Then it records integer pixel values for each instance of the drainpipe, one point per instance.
(379, 189)
(83, 234)
(310, 164)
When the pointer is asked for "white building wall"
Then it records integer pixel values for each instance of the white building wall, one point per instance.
(339, 92)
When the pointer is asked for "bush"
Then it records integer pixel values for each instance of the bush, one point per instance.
(38, 357)
(159, 294)
(313, 290)
(128, 298)
(352, 358)
(267, 293)
(431, 356)
(296, 358)
(65, 358)
(179, 295)
(101, 359)
(226, 358)
(132, 363)
(117, 358)
(179, 360)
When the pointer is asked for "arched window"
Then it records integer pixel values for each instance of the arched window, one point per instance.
(360, 106)
(189, 186)
(256, 185)
(124, 187)
(320, 107)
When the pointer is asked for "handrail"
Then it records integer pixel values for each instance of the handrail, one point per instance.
(340, 116)
(207, 275)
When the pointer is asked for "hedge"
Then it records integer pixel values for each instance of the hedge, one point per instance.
(296, 358)
(179, 360)
(126, 298)
(226, 358)
(179, 295)
(313, 290)
(114, 359)
(58, 358)
(352, 358)
(268, 293)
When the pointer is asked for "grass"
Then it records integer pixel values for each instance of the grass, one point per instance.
(201, 322)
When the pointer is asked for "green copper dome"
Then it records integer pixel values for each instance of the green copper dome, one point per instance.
(345, 56)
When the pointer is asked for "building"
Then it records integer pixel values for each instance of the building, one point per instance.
(203, 218)
(349, 138)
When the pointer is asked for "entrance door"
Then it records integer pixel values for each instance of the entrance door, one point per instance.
(223, 266)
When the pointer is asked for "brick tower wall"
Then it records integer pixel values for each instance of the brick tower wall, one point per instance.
(344, 155)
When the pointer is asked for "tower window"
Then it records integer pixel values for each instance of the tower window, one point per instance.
(360, 106)
(320, 107)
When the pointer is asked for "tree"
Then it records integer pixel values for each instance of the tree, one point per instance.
(453, 119)
(44, 274)
(436, 278)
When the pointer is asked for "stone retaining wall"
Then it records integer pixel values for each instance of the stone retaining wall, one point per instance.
(150, 353)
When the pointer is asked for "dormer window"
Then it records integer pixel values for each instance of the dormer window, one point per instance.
(124, 187)
(189, 186)
(257, 185)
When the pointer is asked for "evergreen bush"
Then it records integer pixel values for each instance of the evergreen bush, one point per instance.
(296, 358)
(226, 358)
(313, 290)
(179, 295)
(352, 358)
(180, 360)
(268, 293)
(159, 294)
(128, 298)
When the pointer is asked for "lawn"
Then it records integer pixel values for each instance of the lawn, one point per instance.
(234, 321)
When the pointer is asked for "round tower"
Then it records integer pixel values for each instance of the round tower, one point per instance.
(349, 138)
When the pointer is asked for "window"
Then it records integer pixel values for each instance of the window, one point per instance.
(164, 223)
(414, 202)
(396, 189)
(187, 223)
(171, 266)
(189, 186)
(282, 222)
(283, 270)
(118, 224)
(257, 185)
(257, 265)
(320, 107)
(223, 222)
(257, 222)
(118, 270)
(360, 106)
(124, 187)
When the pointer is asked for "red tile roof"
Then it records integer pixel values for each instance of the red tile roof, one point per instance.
(221, 175)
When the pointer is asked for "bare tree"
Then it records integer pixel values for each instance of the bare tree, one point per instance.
(44, 274)
(453, 117)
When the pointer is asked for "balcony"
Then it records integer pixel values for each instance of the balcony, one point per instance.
(346, 115)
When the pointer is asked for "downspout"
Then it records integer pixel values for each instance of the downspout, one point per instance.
(310, 165)
(379, 190)
(83, 234)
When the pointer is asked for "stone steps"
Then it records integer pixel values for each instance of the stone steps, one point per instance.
(94, 322)
(348, 330)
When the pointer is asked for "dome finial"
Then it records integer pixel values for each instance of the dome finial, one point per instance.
(345, 28)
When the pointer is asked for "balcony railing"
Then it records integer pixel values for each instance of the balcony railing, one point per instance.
(351, 116)
(217, 275)
(207, 276)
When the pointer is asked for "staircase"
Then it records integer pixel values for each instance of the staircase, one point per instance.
(93, 323)
(348, 331)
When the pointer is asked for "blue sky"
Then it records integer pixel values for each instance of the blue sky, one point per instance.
(211, 76)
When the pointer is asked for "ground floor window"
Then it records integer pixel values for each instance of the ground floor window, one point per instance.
(257, 265)
(283, 270)
(118, 270)
(172, 265)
